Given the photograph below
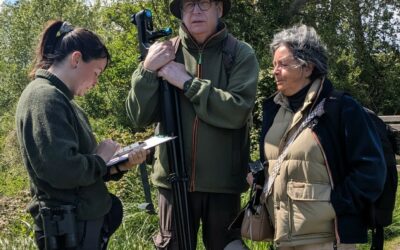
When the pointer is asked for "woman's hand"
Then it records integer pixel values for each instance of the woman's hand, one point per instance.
(106, 149)
(250, 178)
(137, 156)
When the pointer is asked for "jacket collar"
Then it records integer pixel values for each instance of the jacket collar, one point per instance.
(321, 88)
(55, 81)
(214, 40)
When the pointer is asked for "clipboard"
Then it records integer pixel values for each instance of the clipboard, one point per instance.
(122, 154)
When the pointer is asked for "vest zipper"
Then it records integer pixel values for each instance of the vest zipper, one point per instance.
(290, 218)
(328, 170)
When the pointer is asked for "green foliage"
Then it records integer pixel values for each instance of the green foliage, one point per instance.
(364, 57)
(21, 25)
(120, 36)
(8, 146)
(13, 181)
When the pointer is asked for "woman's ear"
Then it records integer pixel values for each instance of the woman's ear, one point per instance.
(76, 56)
(220, 9)
(308, 69)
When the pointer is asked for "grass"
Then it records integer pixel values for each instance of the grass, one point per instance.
(392, 232)
(137, 228)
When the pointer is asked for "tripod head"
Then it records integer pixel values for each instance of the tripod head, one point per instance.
(146, 34)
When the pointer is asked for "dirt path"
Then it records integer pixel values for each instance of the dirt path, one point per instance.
(11, 209)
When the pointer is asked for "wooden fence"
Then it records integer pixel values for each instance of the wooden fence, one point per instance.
(394, 122)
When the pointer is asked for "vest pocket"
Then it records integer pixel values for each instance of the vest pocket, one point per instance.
(310, 210)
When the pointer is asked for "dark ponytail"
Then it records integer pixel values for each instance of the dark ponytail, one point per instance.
(59, 39)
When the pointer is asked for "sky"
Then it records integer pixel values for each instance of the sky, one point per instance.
(9, 1)
(13, 1)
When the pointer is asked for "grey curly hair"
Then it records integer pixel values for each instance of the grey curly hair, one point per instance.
(306, 46)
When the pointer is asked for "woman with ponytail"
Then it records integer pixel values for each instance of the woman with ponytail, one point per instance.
(71, 206)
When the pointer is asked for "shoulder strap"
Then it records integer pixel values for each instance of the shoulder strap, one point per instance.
(176, 41)
(229, 48)
(317, 112)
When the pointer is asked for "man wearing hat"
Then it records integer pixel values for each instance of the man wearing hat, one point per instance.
(216, 105)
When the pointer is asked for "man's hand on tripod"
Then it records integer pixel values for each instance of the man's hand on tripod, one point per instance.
(160, 53)
(175, 73)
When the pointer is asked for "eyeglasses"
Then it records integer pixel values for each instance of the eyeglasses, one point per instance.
(286, 66)
(286, 63)
(203, 5)
(283, 65)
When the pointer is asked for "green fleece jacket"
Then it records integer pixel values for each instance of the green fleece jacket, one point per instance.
(57, 146)
(215, 111)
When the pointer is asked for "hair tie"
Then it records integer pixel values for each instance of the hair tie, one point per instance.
(65, 28)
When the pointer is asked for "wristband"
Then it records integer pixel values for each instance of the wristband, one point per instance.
(119, 171)
(187, 85)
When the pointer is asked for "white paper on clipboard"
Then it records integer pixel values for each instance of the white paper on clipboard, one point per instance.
(122, 154)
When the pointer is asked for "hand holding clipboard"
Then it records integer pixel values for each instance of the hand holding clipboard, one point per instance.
(122, 154)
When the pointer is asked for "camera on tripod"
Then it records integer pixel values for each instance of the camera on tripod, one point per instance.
(144, 23)
(59, 226)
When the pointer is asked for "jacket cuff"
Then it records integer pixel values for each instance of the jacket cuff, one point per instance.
(194, 88)
(147, 75)
(102, 164)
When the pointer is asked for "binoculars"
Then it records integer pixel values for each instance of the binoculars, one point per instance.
(60, 227)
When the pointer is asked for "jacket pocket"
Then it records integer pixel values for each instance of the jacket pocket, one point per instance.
(310, 209)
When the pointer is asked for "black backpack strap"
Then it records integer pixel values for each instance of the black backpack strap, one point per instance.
(229, 48)
(377, 238)
(176, 41)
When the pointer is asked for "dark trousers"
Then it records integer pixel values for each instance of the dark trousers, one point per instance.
(92, 234)
(215, 211)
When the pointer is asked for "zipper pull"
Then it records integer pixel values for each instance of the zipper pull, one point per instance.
(313, 123)
(199, 64)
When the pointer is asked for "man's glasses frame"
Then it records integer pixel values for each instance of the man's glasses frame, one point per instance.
(203, 5)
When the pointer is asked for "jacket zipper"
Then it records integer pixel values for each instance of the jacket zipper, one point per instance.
(194, 153)
(200, 64)
(196, 120)
(195, 128)
(330, 179)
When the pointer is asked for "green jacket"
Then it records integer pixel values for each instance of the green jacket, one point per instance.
(215, 113)
(57, 146)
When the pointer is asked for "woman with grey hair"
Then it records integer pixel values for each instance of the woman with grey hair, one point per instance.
(322, 153)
